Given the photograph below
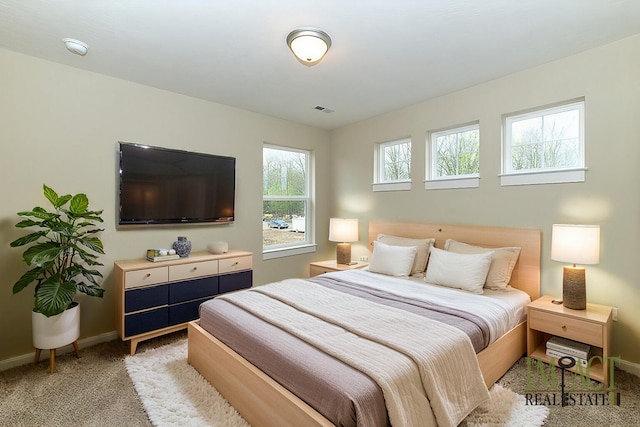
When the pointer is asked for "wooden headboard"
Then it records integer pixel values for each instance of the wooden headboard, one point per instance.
(526, 273)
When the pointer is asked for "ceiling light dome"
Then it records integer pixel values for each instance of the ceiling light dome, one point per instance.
(309, 45)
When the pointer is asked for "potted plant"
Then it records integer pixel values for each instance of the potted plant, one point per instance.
(61, 257)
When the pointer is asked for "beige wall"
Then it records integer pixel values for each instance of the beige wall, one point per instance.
(60, 125)
(609, 79)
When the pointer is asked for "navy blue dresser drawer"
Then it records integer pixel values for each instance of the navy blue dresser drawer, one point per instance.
(145, 321)
(185, 312)
(193, 289)
(236, 281)
(142, 298)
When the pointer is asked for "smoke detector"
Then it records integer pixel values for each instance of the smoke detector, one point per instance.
(76, 46)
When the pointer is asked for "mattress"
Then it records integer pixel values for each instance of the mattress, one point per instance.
(341, 393)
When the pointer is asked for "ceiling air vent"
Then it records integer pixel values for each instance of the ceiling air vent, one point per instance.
(323, 109)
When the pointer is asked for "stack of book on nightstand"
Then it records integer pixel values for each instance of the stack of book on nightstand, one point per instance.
(558, 347)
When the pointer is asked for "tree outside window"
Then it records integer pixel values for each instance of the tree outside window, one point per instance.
(456, 152)
(545, 145)
(546, 142)
(394, 161)
(286, 200)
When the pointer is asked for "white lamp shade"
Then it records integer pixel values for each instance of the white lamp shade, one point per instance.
(343, 230)
(309, 45)
(308, 48)
(576, 244)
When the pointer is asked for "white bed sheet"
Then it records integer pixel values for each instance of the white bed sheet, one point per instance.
(502, 310)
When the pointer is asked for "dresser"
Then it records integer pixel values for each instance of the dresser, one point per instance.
(156, 298)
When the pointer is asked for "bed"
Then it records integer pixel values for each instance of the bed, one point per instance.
(262, 401)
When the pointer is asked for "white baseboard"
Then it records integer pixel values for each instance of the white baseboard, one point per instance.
(630, 367)
(83, 343)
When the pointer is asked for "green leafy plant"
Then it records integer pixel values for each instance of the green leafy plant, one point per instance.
(63, 252)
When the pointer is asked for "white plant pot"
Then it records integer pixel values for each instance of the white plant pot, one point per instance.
(56, 331)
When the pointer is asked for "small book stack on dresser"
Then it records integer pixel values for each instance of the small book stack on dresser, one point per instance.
(156, 255)
(558, 347)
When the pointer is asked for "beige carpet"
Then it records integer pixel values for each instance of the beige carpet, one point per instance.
(585, 415)
(95, 390)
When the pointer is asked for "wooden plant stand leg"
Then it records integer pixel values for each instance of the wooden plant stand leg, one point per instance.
(52, 356)
(76, 348)
(52, 360)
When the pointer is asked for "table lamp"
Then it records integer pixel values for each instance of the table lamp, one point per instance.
(343, 231)
(576, 244)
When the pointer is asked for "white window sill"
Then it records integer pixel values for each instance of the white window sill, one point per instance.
(449, 183)
(288, 251)
(543, 177)
(392, 186)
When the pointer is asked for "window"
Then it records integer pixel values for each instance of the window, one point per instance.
(455, 158)
(393, 165)
(286, 202)
(545, 146)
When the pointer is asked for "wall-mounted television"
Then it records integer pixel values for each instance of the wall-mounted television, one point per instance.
(161, 186)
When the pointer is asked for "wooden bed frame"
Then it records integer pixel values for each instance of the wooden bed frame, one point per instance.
(264, 402)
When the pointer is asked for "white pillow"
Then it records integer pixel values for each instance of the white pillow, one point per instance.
(392, 260)
(461, 271)
(502, 263)
(423, 246)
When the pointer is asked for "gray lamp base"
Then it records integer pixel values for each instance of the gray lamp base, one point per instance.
(343, 253)
(574, 290)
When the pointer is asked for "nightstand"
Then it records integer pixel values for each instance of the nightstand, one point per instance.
(591, 326)
(321, 267)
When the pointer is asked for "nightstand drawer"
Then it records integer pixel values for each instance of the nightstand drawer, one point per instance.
(314, 270)
(574, 329)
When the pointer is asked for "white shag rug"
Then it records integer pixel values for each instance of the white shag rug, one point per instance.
(175, 394)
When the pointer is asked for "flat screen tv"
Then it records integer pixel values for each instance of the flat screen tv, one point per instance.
(161, 186)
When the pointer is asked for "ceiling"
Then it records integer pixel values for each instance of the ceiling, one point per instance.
(385, 54)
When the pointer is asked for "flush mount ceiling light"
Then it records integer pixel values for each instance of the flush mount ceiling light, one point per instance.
(309, 45)
(76, 46)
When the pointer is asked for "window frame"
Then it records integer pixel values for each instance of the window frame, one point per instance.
(379, 183)
(436, 182)
(309, 244)
(544, 175)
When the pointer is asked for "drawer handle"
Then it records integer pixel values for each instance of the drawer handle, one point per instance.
(194, 268)
(236, 263)
(147, 275)
(564, 327)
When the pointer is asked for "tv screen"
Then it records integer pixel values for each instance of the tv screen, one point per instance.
(164, 186)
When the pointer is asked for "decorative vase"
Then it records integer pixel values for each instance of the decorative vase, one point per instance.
(182, 246)
(56, 331)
